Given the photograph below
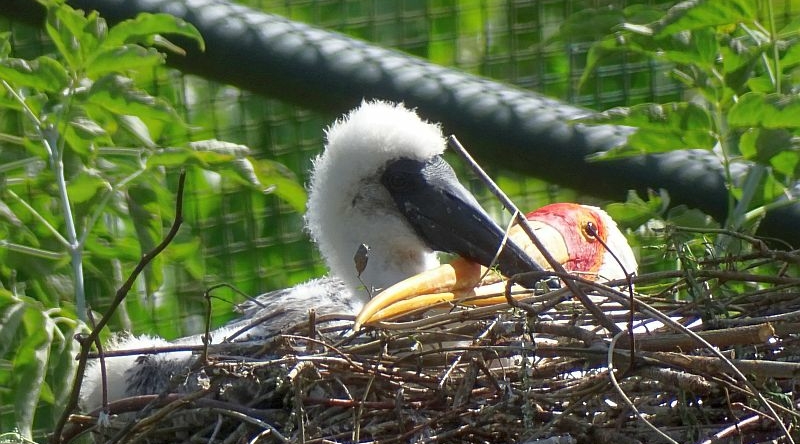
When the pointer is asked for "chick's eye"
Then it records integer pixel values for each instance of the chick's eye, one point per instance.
(398, 182)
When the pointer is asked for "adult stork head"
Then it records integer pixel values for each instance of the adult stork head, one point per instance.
(381, 181)
(584, 239)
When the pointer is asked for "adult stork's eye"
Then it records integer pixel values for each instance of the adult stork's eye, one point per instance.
(590, 230)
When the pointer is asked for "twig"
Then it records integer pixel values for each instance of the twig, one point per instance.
(554, 264)
(631, 405)
(87, 342)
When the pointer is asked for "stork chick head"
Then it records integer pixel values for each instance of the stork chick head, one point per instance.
(348, 205)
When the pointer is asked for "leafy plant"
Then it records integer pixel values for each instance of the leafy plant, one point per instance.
(86, 176)
(738, 67)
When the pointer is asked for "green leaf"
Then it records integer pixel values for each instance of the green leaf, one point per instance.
(785, 163)
(185, 254)
(119, 96)
(87, 127)
(138, 129)
(701, 50)
(42, 74)
(597, 54)
(766, 111)
(683, 216)
(106, 247)
(5, 44)
(761, 84)
(761, 144)
(687, 16)
(151, 207)
(218, 146)
(661, 128)
(791, 57)
(172, 157)
(85, 186)
(144, 28)
(12, 310)
(282, 182)
(591, 23)
(74, 35)
(121, 59)
(29, 365)
(790, 29)
(83, 133)
(635, 211)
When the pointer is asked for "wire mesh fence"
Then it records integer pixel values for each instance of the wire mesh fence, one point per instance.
(256, 241)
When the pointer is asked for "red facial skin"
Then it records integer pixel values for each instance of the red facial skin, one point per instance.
(576, 223)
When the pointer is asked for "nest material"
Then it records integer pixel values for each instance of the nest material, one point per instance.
(537, 373)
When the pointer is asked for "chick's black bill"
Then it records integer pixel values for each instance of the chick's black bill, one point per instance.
(448, 217)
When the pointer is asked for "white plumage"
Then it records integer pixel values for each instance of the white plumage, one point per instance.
(349, 205)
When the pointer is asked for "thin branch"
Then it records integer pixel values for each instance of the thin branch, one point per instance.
(86, 343)
(631, 405)
(554, 264)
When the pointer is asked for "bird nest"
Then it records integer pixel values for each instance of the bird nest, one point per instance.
(712, 358)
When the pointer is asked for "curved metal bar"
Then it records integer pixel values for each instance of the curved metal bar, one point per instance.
(502, 125)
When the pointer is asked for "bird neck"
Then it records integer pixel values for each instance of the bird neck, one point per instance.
(389, 261)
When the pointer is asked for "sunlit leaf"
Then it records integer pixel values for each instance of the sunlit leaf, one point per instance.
(87, 127)
(282, 182)
(74, 35)
(791, 57)
(42, 73)
(701, 50)
(761, 144)
(144, 28)
(85, 186)
(761, 84)
(172, 157)
(119, 96)
(785, 163)
(138, 129)
(765, 110)
(705, 14)
(661, 128)
(635, 211)
(219, 146)
(64, 25)
(122, 59)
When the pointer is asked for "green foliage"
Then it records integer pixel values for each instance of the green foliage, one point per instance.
(738, 67)
(87, 171)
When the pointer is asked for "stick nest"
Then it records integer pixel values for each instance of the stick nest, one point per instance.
(536, 373)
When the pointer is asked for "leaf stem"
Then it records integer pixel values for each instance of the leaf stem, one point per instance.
(50, 138)
(773, 40)
(56, 155)
(40, 218)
